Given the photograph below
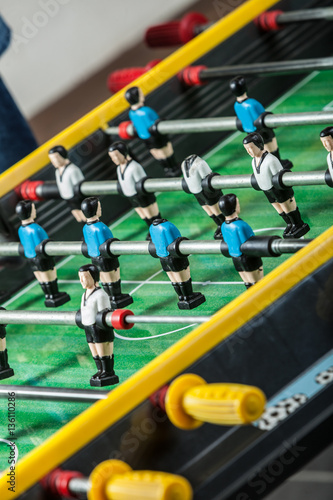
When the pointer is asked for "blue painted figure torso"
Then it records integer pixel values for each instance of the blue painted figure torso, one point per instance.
(162, 235)
(235, 233)
(142, 119)
(247, 112)
(31, 236)
(94, 235)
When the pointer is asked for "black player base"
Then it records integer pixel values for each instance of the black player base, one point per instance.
(111, 380)
(8, 372)
(121, 301)
(57, 300)
(299, 232)
(192, 302)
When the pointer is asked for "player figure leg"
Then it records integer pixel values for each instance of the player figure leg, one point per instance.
(271, 145)
(215, 214)
(78, 216)
(166, 157)
(5, 370)
(296, 227)
(100, 343)
(49, 284)
(111, 283)
(182, 284)
(250, 269)
(148, 214)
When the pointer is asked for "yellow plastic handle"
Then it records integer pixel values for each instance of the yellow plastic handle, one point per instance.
(190, 402)
(115, 480)
(101, 475)
(148, 485)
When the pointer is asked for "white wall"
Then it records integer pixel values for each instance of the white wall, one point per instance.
(58, 43)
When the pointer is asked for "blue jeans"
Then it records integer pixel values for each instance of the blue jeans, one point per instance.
(16, 138)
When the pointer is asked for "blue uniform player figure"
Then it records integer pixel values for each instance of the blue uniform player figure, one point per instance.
(144, 120)
(166, 237)
(33, 238)
(235, 232)
(97, 235)
(5, 370)
(250, 113)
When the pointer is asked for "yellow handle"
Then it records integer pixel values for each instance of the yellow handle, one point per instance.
(115, 480)
(148, 485)
(190, 402)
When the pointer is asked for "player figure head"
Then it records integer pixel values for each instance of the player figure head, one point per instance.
(229, 205)
(254, 144)
(89, 275)
(134, 96)
(118, 152)
(238, 86)
(91, 208)
(26, 211)
(326, 137)
(58, 156)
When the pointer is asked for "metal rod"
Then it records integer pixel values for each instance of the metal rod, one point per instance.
(38, 317)
(186, 247)
(200, 28)
(324, 13)
(290, 119)
(218, 124)
(79, 485)
(69, 247)
(304, 178)
(287, 246)
(197, 125)
(52, 393)
(130, 248)
(298, 16)
(68, 318)
(164, 319)
(97, 188)
(268, 68)
(218, 182)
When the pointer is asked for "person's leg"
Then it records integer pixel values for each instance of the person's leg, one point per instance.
(16, 138)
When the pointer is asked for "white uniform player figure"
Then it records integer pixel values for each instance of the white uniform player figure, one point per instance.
(265, 166)
(197, 181)
(68, 179)
(326, 137)
(94, 306)
(131, 176)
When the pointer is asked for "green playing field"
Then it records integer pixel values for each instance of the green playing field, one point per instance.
(59, 357)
